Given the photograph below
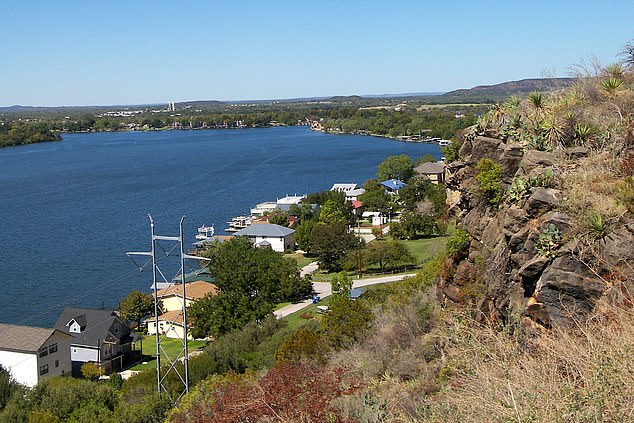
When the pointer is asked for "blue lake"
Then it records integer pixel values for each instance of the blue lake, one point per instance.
(70, 210)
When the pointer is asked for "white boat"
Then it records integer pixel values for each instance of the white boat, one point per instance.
(239, 222)
(205, 233)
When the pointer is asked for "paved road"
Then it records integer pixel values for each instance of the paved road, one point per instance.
(323, 290)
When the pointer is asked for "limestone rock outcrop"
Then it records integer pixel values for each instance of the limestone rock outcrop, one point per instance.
(524, 260)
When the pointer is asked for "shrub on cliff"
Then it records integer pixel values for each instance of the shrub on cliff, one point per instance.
(489, 177)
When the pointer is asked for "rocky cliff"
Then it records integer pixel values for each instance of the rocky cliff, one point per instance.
(529, 258)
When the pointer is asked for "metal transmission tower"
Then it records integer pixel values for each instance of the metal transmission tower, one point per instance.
(173, 365)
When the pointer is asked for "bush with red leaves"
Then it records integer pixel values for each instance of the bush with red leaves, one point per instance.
(285, 393)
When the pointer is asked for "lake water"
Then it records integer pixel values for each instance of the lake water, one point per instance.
(70, 210)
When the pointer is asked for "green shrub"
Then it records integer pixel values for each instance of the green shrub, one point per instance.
(303, 344)
(346, 322)
(489, 177)
(458, 243)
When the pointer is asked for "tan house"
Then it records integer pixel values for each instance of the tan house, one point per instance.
(170, 323)
(434, 171)
(30, 353)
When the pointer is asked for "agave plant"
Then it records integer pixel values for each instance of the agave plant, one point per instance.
(554, 132)
(611, 85)
(584, 132)
(537, 101)
(512, 103)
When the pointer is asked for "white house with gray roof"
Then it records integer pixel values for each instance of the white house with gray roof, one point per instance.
(279, 238)
(32, 353)
(352, 191)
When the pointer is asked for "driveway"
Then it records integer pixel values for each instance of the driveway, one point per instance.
(322, 289)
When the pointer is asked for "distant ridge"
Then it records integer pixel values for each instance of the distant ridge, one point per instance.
(480, 93)
(506, 89)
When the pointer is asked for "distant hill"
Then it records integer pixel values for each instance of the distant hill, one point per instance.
(497, 92)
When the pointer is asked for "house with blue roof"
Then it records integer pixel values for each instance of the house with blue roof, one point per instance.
(393, 185)
(279, 238)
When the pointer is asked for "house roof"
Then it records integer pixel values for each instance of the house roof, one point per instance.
(355, 192)
(97, 328)
(394, 184)
(343, 187)
(175, 316)
(193, 290)
(23, 338)
(265, 229)
(430, 168)
(356, 204)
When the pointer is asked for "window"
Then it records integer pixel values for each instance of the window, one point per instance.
(56, 363)
(43, 369)
(52, 349)
(43, 352)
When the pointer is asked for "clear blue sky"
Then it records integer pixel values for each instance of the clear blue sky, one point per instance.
(131, 52)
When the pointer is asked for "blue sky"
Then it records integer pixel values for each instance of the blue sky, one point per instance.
(132, 52)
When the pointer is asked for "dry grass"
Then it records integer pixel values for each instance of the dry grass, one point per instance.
(591, 188)
(581, 374)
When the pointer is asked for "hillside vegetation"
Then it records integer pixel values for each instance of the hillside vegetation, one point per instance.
(527, 316)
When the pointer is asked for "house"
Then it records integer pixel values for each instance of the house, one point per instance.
(393, 185)
(99, 336)
(170, 323)
(434, 171)
(172, 296)
(279, 238)
(352, 191)
(283, 204)
(32, 353)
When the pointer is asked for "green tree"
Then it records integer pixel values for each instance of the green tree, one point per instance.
(333, 212)
(251, 281)
(135, 306)
(304, 234)
(398, 167)
(340, 285)
(387, 254)
(376, 200)
(7, 387)
(427, 158)
(331, 244)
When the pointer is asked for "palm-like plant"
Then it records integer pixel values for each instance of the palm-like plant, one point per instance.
(611, 85)
(584, 132)
(537, 101)
(554, 131)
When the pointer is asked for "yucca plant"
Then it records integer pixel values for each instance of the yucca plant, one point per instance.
(584, 132)
(553, 131)
(512, 102)
(537, 101)
(611, 85)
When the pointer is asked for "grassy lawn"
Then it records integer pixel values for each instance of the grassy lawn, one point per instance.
(296, 320)
(301, 259)
(425, 248)
(170, 346)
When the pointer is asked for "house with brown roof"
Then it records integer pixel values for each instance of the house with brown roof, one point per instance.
(170, 322)
(31, 353)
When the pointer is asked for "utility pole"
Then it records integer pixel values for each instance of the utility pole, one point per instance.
(171, 367)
